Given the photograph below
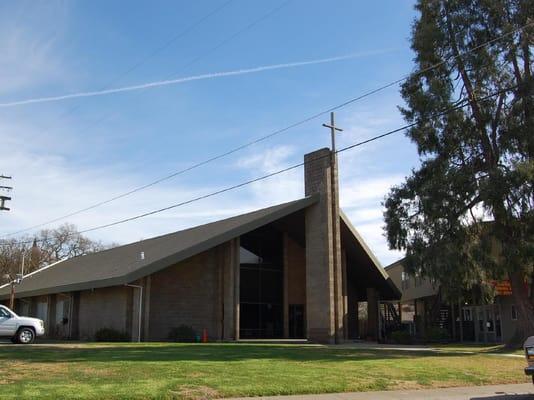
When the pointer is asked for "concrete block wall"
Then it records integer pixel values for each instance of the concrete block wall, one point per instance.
(200, 292)
(508, 325)
(340, 290)
(186, 294)
(228, 289)
(320, 270)
(296, 270)
(103, 308)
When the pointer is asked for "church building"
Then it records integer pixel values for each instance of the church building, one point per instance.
(294, 270)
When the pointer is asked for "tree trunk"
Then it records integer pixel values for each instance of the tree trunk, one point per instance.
(525, 308)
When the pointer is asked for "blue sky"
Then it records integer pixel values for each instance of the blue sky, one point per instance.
(69, 154)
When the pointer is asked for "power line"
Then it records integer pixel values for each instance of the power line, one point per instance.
(154, 84)
(239, 32)
(187, 65)
(270, 135)
(198, 58)
(152, 54)
(171, 41)
(461, 104)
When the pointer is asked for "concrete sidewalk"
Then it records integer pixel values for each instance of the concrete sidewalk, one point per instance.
(415, 348)
(496, 392)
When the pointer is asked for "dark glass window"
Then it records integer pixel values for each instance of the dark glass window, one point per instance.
(514, 313)
(4, 313)
(261, 284)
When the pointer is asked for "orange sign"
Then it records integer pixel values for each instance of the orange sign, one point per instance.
(503, 288)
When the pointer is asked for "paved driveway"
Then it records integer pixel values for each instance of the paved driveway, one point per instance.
(497, 392)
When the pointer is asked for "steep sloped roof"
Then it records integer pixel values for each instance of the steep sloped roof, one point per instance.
(374, 272)
(124, 264)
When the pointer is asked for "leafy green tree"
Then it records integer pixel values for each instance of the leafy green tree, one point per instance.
(466, 215)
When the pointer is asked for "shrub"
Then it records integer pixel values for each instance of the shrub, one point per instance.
(183, 333)
(401, 337)
(436, 334)
(111, 335)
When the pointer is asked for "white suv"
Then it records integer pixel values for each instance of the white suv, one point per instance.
(19, 329)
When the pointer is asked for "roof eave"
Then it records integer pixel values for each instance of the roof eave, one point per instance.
(370, 254)
(173, 259)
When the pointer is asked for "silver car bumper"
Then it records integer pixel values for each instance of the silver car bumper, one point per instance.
(39, 330)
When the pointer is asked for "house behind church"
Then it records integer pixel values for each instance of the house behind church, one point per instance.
(465, 320)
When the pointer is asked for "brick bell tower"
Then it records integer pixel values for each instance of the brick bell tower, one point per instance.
(324, 281)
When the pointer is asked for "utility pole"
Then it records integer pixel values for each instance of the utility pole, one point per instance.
(336, 237)
(12, 296)
(3, 198)
(15, 280)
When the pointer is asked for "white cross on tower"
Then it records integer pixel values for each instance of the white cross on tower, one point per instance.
(333, 128)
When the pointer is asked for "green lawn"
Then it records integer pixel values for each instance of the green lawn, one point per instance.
(199, 371)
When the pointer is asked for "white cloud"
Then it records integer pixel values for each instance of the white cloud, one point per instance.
(364, 214)
(372, 233)
(48, 183)
(47, 187)
(148, 85)
(360, 196)
(362, 200)
(29, 57)
(268, 160)
(359, 192)
(277, 189)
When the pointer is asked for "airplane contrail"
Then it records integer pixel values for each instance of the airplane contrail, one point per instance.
(212, 75)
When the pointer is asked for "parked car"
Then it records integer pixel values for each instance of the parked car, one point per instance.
(529, 354)
(22, 330)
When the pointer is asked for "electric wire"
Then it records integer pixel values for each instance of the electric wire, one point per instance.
(145, 59)
(461, 104)
(268, 136)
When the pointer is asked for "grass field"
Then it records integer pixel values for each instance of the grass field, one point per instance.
(203, 371)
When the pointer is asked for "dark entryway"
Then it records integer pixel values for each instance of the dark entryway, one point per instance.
(261, 284)
(296, 321)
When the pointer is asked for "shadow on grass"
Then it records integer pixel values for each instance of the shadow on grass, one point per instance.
(201, 352)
